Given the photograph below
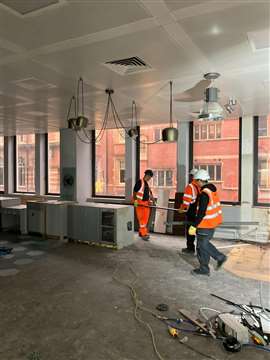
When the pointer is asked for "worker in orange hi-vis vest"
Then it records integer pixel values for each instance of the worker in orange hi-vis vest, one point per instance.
(143, 197)
(208, 217)
(189, 206)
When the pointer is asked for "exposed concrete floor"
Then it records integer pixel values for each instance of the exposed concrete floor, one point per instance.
(66, 306)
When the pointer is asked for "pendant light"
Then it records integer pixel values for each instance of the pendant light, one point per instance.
(170, 134)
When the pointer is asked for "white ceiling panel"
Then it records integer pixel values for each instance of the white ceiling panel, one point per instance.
(73, 19)
(153, 46)
(222, 36)
(180, 4)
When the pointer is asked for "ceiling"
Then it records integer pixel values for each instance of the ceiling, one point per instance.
(44, 49)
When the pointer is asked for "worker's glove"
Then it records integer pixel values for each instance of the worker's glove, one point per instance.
(192, 230)
(181, 211)
(136, 203)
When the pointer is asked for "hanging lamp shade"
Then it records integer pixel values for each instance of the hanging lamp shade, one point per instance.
(170, 134)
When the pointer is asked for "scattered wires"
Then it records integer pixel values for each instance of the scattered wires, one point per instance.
(137, 305)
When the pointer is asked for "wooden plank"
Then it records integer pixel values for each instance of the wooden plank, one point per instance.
(202, 326)
(161, 215)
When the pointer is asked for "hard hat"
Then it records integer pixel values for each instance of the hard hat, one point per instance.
(202, 175)
(149, 172)
(193, 171)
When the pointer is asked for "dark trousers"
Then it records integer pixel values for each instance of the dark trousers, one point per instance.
(190, 238)
(205, 249)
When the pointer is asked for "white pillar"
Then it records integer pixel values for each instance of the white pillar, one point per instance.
(130, 166)
(75, 166)
(182, 155)
(247, 168)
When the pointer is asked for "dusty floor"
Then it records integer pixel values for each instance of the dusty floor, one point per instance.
(65, 305)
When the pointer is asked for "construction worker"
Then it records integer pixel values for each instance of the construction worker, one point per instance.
(208, 217)
(189, 206)
(143, 197)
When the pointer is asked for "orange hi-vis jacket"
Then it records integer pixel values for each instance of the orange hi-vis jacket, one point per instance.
(190, 194)
(213, 214)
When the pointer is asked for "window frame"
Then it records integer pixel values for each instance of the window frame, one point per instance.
(94, 195)
(238, 202)
(47, 169)
(15, 169)
(256, 163)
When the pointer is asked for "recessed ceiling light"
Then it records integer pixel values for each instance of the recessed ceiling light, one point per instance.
(215, 30)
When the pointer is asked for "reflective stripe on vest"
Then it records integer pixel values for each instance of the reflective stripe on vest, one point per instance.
(190, 194)
(140, 193)
(213, 214)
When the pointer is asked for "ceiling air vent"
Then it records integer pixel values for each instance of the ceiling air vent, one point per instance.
(128, 66)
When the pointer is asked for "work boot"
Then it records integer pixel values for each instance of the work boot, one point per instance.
(200, 272)
(145, 238)
(221, 262)
(188, 251)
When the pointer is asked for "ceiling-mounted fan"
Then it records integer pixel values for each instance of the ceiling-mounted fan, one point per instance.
(204, 90)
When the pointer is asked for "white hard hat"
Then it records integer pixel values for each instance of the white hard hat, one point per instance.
(193, 171)
(202, 175)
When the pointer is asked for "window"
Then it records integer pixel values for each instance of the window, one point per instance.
(207, 130)
(214, 171)
(261, 161)
(25, 163)
(121, 171)
(196, 132)
(21, 172)
(121, 136)
(160, 157)
(157, 134)
(204, 131)
(262, 126)
(162, 178)
(211, 131)
(263, 173)
(218, 151)
(143, 147)
(53, 165)
(1, 163)
(109, 165)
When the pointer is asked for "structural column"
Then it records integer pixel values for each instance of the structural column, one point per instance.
(130, 167)
(75, 166)
(247, 168)
(183, 155)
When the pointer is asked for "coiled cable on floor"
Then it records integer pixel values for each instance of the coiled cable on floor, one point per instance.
(137, 306)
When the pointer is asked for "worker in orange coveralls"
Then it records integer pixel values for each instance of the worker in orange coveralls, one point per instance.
(143, 197)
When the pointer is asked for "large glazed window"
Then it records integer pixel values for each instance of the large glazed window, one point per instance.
(216, 148)
(159, 157)
(25, 163)
(109, 172)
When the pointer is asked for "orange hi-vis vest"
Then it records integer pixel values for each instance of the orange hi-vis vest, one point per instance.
(140, 193)
(190, 194)
(213, 215)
